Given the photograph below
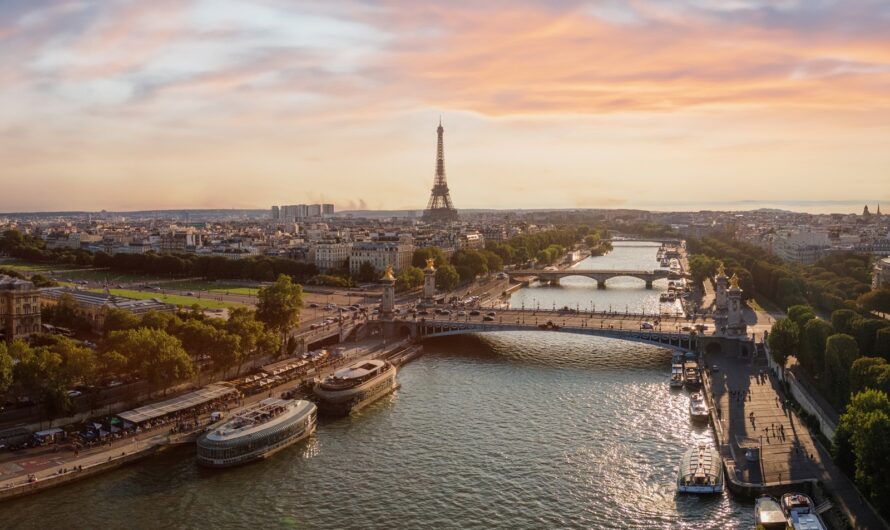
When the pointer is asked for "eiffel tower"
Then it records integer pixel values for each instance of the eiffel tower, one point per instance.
(440, 207)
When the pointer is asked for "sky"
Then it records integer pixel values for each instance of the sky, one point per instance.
(660, 104)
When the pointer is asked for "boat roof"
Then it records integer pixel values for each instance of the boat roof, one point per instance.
(700, 461)
(360, 369)
(258, 417)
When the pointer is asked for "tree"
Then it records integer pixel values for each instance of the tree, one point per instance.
(409, 278)
(422, 254)
(119, 320)
(702, 267)
(801, 314)
(812, 345)
(159, 320)
(842, 321)
(66, 313)
(878, 300)
(280, 304)
(366, 272)
(882, 343)
(6, 366)
(783, 340)
(446, 277)
(869, 372)
(154, 354)
(79, 363)
(866, 332)
(860, 445)
(840, 352)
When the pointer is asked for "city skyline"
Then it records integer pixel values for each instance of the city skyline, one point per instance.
(650, 105)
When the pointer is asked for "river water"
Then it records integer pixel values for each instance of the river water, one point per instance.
(503, 430)
(621, 293)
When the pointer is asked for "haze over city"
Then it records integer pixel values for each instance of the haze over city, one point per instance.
(649, 104)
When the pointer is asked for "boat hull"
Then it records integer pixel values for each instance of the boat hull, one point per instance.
(339, 406)
(261, 454)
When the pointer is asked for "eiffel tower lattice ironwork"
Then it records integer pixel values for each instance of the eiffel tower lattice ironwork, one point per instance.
(440, 208)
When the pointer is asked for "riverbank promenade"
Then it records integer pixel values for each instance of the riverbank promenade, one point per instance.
(751, 413)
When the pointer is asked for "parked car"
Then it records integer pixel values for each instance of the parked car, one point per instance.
(475, 313)
(488, 318)
(647, 325)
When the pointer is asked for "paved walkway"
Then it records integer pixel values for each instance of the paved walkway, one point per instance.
(753, 414)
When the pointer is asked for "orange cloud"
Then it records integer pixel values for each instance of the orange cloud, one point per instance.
(532, 60)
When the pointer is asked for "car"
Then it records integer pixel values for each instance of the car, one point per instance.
(313, 305)
(701, 327)
(313, 326)
(423, 312)
(488, 318)
(475, 313)
(686, 328)
(114, 383)
(74, 393)
(647, 325)
(715, 368)
(190, 293)
(461, 313)
(490, 314)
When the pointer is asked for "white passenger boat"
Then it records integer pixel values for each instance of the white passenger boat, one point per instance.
(698, 408)
(768, 514)
(801, 512)
(353, 388)
(677, 375)
(692, 375)
(257, 432)
(701, 471)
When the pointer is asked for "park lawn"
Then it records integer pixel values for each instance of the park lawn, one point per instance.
(186, 301)
(110, 276)
(212, 287)
(25, 266)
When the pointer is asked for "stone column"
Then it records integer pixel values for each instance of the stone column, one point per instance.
(388, 302)
(429, 280)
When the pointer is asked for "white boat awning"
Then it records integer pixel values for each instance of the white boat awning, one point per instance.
(177, 404)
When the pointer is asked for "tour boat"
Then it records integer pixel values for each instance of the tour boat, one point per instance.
(351, 389)
(677, 375)
(257, 432)
(801, 512)
(693, 377)
(698, 409)
(701, 471)
(768, 514)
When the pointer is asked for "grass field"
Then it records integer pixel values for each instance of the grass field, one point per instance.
(110, 276)
(212, 287)
(186, 301)
(26, 267)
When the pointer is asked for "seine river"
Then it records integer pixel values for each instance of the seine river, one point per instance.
(508, 430)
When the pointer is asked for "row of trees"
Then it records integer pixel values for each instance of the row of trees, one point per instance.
(259, 268)
(161, 348)
(843, 355)
(839, 281)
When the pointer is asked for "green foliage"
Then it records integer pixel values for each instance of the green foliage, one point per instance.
(866, 332)
(119, 320)
(66, 313)
(840, 353)
(870, 372)
(447, 278)
(366, 272)
(882, 343)
(409, 278)
(801, 314)
(878, 300)
(702, 267)
(5, 369)
(812, 345)
(153, 353)
(422, 254)
(833, 283)
(783, 340)
(469, 264)
(260, 268)
(331, 281)
(860, 445)
(842, 320)
(280, 304)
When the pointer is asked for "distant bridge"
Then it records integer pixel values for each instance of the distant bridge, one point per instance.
(601, 276)
(423, 328)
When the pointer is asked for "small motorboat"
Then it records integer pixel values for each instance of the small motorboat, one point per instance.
(768, 514)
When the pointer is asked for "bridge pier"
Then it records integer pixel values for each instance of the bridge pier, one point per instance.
(648, 284)
(601, 284)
